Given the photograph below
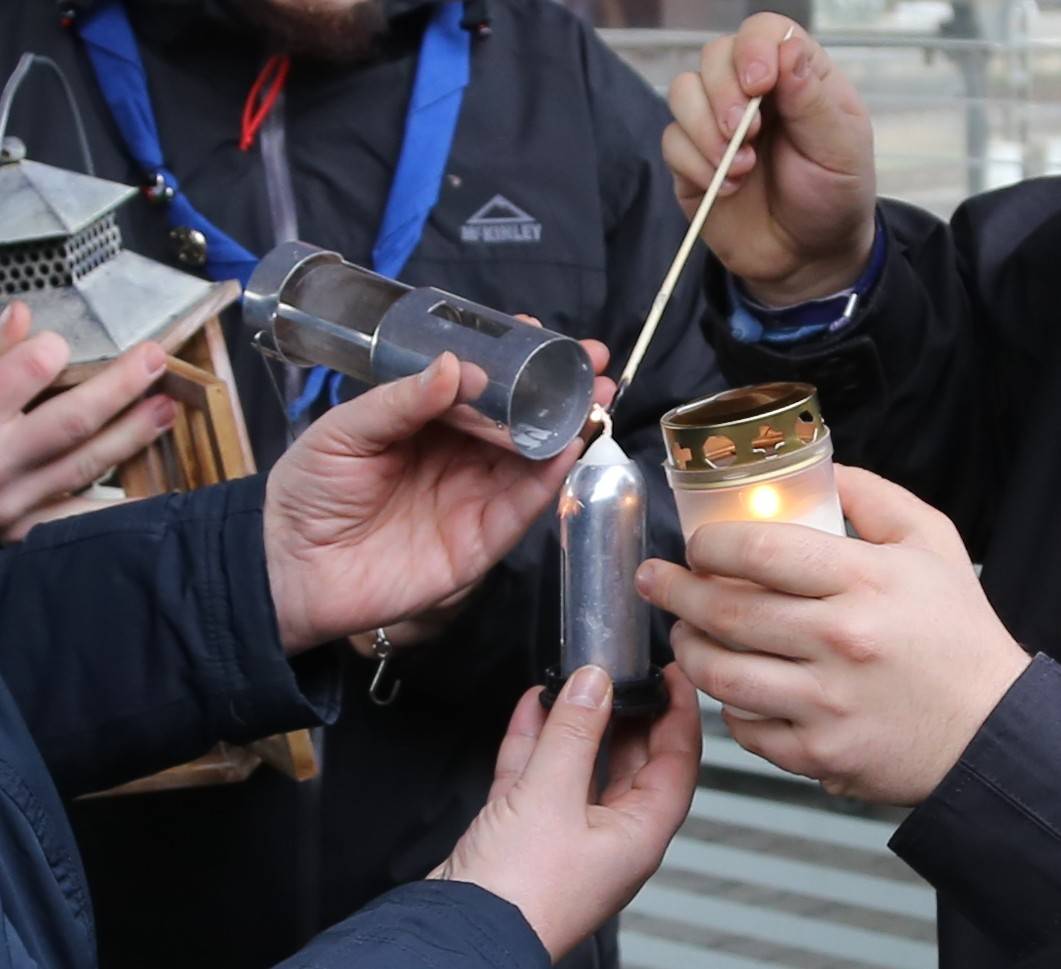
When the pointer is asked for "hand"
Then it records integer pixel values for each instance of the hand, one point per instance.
(875, 662)
(795, 218)
(69, 441)
(568, 861)
(376, 514)
(431, 624)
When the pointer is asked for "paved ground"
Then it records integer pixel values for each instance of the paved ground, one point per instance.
(768, 873)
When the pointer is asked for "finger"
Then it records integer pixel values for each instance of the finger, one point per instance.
(393, 412)
(767, 686)
(519, 742)
(15, 322)
(885, 514)
(521, 491)
(823, 115)
(627, 754)
(28, 368)
(561, 766)
(527, 318)
(774, 740)
(756, 52)
(599, 355)
(70, 419)
(743, 615)
(659, 798)
(788, 558)
(692, 171)
(708, 128)
(117, 443)
(603, 391)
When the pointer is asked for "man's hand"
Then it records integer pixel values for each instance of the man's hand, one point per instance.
(69, 441)
(544, 842)
(377, 514)
(875, 662)
(433, 623)
(795, 218)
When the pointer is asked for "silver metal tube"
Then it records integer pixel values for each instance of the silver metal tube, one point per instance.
(603, 541)
(523, 387)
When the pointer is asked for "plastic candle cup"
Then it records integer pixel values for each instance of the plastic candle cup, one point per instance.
(757, 453)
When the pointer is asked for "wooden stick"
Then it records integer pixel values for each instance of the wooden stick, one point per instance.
(695, 228)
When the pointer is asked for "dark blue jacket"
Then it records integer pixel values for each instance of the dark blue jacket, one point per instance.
(137, 638)
(559, 127)
(949, 382)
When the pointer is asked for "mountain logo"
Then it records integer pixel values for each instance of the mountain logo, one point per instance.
(501, 221)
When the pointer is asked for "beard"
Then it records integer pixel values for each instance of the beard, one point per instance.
(340, 31)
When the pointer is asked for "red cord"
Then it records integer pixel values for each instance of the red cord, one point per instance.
(275, 71)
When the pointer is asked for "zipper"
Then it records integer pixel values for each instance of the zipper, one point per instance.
(284, 217)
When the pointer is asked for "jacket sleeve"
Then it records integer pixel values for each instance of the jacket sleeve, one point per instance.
(136, 638)
(428, 925)
(939, 358)
(989, 837)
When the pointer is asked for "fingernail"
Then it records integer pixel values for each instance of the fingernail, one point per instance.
(5, 315)
(164, 413)
(589, 688)
(732, 119)
(755, 73)
(645, 579)
(801, 68)
(154, 360)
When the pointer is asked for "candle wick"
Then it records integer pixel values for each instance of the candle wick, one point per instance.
(601, 416)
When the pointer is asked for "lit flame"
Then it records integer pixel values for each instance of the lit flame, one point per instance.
(764, 501)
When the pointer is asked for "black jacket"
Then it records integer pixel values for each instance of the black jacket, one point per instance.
(140, 636)
(949, 382)
(558, 126)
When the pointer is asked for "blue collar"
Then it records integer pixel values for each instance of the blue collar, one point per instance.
(443, 72)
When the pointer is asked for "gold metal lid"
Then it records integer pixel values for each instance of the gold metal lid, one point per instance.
(744, 427)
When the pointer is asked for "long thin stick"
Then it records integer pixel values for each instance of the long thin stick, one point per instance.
(695, 228)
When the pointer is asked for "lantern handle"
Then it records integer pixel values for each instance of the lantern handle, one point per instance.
(7, 97)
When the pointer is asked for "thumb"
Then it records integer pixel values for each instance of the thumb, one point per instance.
(394, 411)
(823, 115)
(560, 770)
(885, 514)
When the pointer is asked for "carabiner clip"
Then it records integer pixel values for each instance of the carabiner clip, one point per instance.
(383, 649)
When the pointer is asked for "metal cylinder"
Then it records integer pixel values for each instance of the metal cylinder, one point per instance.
(319, 309)
(603, 541)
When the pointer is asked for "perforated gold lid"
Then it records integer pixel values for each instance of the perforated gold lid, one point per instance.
(744, 427)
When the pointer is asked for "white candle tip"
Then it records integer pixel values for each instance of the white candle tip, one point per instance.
(604, 450)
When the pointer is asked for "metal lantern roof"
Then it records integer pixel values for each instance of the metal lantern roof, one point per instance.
(61, 253)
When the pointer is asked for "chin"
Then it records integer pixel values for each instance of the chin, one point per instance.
(333, 30)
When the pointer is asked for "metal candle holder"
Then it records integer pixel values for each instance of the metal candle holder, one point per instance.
(309, 306)
(603, 532)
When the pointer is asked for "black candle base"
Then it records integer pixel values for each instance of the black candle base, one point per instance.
(638, 698)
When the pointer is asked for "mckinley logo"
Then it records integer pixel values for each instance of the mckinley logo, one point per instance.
(501, 221)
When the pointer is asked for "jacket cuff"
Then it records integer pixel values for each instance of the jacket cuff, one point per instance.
(429, 925)
(267, 693)
(989, 837)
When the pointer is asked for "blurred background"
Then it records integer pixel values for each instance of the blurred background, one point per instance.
(770, 873)
(965, 96)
